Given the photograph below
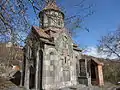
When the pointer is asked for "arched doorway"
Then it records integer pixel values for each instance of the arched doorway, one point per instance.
(32, 77)
(17, 78)
(41, 69)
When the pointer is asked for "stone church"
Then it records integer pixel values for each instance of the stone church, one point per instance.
(52, 61)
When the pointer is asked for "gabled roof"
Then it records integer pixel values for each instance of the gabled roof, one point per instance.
(95, 59)
(40, 32)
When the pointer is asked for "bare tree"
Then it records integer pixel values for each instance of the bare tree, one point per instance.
(15, 23)
(110, 44)
(13, 20)
(9, 55)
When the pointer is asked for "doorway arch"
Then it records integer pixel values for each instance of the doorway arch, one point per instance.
(32, 77)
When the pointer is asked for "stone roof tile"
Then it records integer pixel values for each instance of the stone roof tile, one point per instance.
(40, 32)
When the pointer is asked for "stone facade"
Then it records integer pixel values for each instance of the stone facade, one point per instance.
(52, 60)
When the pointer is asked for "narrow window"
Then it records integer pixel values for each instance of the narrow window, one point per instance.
(65, 59)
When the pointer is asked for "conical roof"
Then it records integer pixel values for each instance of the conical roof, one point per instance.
(51, 5)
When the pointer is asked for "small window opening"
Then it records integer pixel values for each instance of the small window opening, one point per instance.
(65, 60)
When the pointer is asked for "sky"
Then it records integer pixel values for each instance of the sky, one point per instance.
(106, 18)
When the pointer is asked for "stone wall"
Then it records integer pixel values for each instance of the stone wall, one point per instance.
(59, 67)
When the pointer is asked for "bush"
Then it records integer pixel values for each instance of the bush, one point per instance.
(111, 72)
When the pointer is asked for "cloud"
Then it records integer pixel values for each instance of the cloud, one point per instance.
(92, 51)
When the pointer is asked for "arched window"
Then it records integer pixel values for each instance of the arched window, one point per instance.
(45, 20)
(51, 56)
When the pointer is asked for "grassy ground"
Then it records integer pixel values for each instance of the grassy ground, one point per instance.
(107, 86)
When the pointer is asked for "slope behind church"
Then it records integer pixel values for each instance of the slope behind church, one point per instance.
(52, 60)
